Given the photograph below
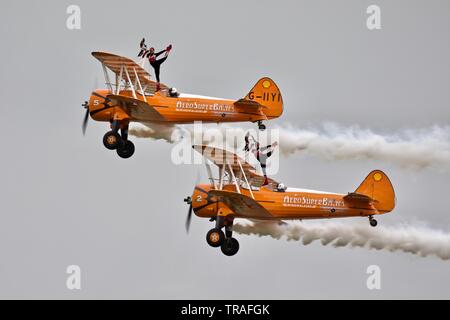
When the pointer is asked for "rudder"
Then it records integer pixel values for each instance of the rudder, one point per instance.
(378, 187)
(267, 94)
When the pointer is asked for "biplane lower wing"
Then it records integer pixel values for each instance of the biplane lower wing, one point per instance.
(242, 205)
(137, 109)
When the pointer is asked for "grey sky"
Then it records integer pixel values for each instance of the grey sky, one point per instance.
(67, 200)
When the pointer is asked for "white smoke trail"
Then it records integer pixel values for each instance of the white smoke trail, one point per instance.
(153, 131)
(419, 241)
(412, 149)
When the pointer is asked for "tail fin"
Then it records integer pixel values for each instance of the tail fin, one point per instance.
(265, 95)
(379, 188)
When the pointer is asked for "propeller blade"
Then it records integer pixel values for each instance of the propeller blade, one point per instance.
(188, 219)
(85, 121)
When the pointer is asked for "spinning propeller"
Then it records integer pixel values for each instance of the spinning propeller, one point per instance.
(86, 117)
(188, 200)
(86, 106)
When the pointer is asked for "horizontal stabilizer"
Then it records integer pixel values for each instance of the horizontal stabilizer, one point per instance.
(358, 197)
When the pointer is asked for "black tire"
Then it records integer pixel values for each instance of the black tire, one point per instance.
(230, 247)
(111, 140)
(373, 222)
(126, 149)
(215, 237)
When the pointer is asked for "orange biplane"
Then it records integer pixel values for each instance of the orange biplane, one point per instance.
(239, 193)
(132, 96)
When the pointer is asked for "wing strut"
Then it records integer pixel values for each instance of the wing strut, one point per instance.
(108, 82)
(211, 178)
(130, 83)
(234, 178)
(221, 171)
(245, 178)
(139, 84)
(119, 80)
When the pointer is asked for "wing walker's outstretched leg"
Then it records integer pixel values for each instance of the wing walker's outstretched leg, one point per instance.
(261, 153)
(156, 64)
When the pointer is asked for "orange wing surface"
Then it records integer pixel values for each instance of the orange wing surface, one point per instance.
(224, 158)
(137, 109)
(241, 204)
(124, 67)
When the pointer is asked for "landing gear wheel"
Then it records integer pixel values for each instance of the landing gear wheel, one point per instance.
(230, 247)
(215, 237)
(111, 140)
(126, 149)
(373, 222)
(261, 125)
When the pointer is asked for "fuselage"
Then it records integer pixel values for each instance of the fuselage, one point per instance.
(182, 109)
(289, 204)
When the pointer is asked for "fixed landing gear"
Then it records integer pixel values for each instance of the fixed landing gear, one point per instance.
(372, 221)
(217, 238)
(230, 247)
(126, 149)
(261, 126)
(112, 140)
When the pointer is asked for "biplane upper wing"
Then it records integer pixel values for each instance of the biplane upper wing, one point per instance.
(137, 109)
(227, 159)
(242, 205)
(128, 70)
